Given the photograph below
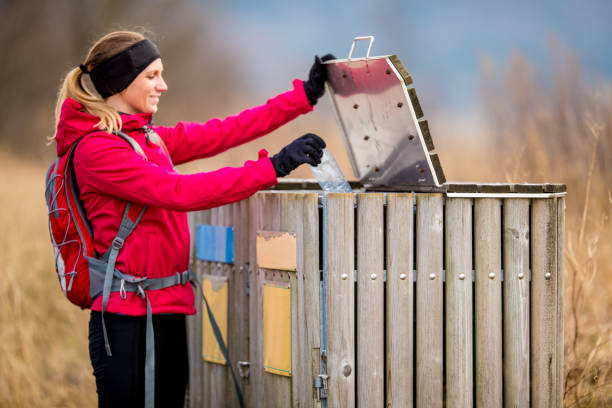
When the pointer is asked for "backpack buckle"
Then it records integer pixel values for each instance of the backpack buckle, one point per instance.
(122, 291)
(118, 243)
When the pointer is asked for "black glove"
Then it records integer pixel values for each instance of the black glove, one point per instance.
(315, 86)
(304, 149)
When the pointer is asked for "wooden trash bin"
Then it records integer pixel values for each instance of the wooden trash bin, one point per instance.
(452, 298)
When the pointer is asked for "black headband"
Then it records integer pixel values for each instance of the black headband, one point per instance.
(116, 73)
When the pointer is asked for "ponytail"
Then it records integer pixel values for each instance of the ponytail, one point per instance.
(74, 88)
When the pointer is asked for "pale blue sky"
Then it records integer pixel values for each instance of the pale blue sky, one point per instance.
(440, 43)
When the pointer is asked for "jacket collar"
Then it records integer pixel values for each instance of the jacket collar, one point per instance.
(75, 123)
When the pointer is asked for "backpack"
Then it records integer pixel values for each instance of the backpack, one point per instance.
(70, 231)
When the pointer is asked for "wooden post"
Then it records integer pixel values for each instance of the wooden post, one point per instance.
(544, 303)
(400, 300)
(487, 251)
(340, 300)
(429, 301)
(370, 300)
(459, 334)
(516, 302)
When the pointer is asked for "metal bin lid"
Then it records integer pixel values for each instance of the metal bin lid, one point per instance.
(379, 116)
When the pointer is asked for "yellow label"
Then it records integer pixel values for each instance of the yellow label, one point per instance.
(277, 328)
(215, 290)
(276, 250)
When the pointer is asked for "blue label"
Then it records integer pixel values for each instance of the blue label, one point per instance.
(215, 243)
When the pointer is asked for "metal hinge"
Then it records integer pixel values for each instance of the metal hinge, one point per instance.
(243, 368)
(321, 386)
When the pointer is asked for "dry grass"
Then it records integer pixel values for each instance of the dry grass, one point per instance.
(43, 338)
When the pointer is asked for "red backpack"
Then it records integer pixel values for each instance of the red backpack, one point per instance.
(71, 233)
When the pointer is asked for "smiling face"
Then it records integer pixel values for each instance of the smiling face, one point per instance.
(142, 95)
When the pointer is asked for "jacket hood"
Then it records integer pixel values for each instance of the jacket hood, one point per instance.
(75, 123)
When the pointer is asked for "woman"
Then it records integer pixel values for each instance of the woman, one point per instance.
(126, 70)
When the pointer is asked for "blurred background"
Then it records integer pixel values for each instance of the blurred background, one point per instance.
(514, 92)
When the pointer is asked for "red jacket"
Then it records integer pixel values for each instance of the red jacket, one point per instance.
(109, 173)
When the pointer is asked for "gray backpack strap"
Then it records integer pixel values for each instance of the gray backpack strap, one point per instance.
(125, 229)
(132, 143)
(124, 283)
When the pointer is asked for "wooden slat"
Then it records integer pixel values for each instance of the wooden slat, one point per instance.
(400, 300)
(429, 301)
(560, 292)
(308, 273)
(237, 218)
(340, 300)
(370, 300)
(488, 328)
(459, 334)
(240, 298)
(544, 302)
(256, 204)
(214, 374)
(300, 356)
(276, 389)
(516, 302)
(201, 381)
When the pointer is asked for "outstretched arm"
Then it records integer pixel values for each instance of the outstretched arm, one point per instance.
(105, 164)
(189, 141)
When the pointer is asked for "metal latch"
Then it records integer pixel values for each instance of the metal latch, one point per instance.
(243, 368)
(321, 386)
(246, 268)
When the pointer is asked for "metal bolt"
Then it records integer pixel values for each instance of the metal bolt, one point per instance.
(547, 275)
(403, 276)
(344, 276)
(462, 276)
(373, 276)
(432, 276)
(521, 275)
(492, 275)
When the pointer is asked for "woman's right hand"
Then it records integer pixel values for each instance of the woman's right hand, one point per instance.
(305, 149)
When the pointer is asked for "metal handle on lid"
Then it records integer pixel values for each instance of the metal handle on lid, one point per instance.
(367, 37)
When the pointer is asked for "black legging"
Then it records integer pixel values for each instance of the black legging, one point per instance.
(120, 378)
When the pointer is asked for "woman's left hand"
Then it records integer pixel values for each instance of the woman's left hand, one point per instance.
(315, 85)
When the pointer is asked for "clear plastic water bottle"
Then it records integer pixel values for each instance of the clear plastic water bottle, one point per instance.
(329, 175)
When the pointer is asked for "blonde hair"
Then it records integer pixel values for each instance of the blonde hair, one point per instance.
(74, 87)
